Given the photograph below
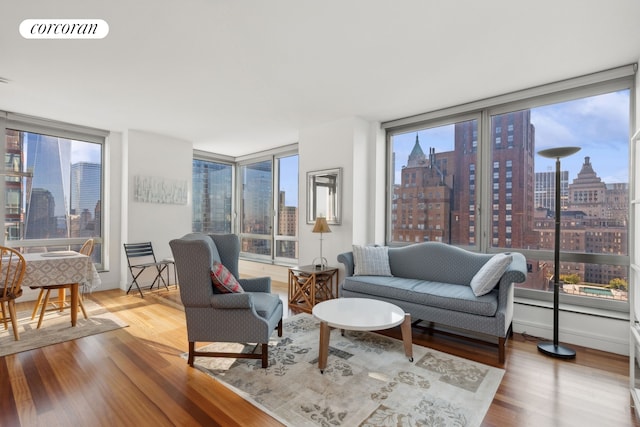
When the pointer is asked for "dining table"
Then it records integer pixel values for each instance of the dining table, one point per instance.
(61, 268)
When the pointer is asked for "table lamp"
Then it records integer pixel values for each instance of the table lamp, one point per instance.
(320, 226)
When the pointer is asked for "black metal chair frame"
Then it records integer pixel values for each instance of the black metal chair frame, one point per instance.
(145, 249)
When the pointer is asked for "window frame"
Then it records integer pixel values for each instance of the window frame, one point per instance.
(622, 78)
(273, 155)
(36, 125)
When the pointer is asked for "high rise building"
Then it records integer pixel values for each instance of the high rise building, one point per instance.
(512, 181)
(85, 187)
(211, 197)
(50, 157)
(545, 193)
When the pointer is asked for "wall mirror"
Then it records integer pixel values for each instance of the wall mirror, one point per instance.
(323, 195)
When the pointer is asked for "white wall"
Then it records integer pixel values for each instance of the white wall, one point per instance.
(146, 154)
(349, 144)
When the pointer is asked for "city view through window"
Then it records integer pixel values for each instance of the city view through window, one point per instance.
(436, 196)
(261, 236)
(62, 198)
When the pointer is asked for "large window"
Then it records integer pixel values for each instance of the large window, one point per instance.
(212, 196)
(434, 184)
(256, 207)
(53, 189)
(471, 176)
(286, 237)
(255, 197)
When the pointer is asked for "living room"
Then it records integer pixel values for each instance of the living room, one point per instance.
(357, 52)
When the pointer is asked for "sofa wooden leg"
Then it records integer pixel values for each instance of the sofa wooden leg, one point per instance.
(501, 349)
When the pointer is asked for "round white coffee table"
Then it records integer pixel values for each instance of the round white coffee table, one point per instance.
(360, 314)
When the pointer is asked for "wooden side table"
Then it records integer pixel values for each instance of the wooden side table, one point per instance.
(309, 285)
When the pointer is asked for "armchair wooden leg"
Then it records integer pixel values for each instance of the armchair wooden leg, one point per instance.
(192, 347)
(280, 328)
(265, 355)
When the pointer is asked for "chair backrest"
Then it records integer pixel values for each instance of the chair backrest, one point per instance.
(138, 250)
(194, 255)
(87, 248)
(228, 246)
(12, 268)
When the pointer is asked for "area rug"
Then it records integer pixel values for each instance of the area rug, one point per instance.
(368, 380)
(56, 328)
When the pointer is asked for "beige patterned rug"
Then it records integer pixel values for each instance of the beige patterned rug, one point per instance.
(368, 381)
(56, 328)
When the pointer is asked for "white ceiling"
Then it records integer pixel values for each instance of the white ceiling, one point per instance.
(235, 77)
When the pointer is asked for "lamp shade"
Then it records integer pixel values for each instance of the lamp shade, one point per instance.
(321, 226)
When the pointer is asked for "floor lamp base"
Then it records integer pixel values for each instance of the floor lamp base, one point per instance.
(550, 349)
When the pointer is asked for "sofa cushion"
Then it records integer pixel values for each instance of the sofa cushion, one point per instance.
(435, 294)
(488, 276)
(223, 281)
(371, 261)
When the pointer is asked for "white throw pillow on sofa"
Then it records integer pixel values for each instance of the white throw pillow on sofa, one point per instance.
(488, 276)
(371, 261)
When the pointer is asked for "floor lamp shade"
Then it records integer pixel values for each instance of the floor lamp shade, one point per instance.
(320, 226)
(554, 349)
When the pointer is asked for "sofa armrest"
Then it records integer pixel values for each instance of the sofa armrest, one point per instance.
(346, 258)
(256, 284)
(516, 273)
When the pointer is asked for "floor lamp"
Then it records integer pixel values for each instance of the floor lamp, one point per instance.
(553, 348)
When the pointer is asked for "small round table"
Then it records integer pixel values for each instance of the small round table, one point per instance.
(360, 314)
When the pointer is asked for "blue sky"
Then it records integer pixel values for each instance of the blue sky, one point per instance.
(598, 124)
(85, 152)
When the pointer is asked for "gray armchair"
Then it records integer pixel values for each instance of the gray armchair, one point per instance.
(248, 317)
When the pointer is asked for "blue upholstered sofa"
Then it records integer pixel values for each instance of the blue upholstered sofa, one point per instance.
(431, 281)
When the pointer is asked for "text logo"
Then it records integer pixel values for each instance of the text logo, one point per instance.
(64, 29)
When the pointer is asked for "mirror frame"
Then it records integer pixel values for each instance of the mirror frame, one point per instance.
(331, 201)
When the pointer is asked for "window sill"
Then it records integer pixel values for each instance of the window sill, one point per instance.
(578, 309)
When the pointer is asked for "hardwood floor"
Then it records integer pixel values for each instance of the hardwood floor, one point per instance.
(135, 376)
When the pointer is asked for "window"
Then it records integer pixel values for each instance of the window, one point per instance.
(446, 174)
(58, 205)
(518, 185)
(212, 196)
(594, 190)
(268, 220)
(287, 212)
(256, 207)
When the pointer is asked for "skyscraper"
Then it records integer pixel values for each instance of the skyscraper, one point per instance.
(85, 187)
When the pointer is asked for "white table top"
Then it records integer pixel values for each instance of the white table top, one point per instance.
(359, 314)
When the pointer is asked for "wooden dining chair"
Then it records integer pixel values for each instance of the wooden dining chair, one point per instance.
(86, 249)
(12, 268)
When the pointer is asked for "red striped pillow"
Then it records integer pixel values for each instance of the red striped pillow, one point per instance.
(223, 280)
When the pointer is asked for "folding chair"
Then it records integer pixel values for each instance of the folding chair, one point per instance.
(139, 256)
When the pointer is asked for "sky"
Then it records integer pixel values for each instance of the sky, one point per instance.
(85, 152)
(599, 125)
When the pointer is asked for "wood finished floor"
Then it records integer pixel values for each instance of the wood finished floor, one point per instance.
(135, 377)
